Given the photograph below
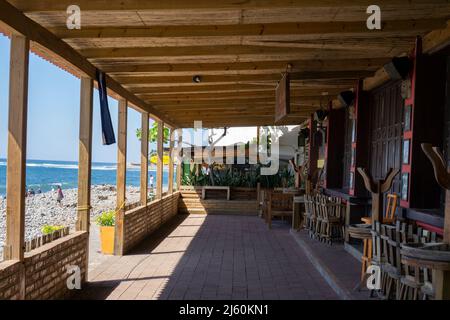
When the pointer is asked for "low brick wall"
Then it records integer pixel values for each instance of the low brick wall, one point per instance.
(10, 280)
(45, 269)
(142, 221)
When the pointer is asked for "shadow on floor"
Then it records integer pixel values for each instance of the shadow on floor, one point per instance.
(100, 290)
(219, 257)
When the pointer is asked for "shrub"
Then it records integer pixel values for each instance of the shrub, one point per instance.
(49, 229)
(106, 219)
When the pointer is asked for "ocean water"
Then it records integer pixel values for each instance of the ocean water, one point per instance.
(46, 174)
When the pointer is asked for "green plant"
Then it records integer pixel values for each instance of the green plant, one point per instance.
(191, 179)
(106, 219)
(153, 133)
(49, 229)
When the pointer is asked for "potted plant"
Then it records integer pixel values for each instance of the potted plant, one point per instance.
(106, 221)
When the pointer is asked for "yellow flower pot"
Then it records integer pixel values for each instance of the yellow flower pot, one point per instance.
(107, 239)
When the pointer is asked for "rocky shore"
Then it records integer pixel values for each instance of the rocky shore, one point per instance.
(42, 209)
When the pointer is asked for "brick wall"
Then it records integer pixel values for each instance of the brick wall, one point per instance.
(142, 221)
(9, 280)
(45, 269)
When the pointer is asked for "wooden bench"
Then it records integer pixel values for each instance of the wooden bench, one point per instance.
(227, 189)
(279, 205)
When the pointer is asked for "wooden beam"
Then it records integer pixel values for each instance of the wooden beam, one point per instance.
(85, 154)
(310, 75)
(102, 55)
(241, 87)
(11, 18)
(171, 166)
(237, 94)
(160, 163)
(377, 80)
(235, 101)
(297, 65)
(436, 40)
(133, 5)
(260, 29)
(17, 148)
(121, 177)
(144, 158)
(432, 42)
(179, 164)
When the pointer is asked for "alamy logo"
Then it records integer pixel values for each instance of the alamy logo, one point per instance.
(267, 151)
(374, 279)
(74, 280)
(74, 19)
(374, 20)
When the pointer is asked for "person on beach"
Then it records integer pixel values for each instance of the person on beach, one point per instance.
(59, 195)
(151, 182)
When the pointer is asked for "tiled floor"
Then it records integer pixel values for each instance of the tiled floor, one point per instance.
(211, 257)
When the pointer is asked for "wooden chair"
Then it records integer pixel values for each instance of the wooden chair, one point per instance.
(279, 205)
(310, 215)
(391, 268)
(416, 282)
(391, 207)
(264, 202)
(331, 220)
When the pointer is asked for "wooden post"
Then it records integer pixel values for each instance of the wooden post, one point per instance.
(121, 177)
(180, 163)
(17, 147)
(85, 154)
(170, 189)
(144, 158)
(160, 164)
(258, 129)
(84, 161)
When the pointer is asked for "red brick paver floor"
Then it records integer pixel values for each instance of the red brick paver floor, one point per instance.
(212, 257)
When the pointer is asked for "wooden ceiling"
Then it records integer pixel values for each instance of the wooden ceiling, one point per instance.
(239, 48)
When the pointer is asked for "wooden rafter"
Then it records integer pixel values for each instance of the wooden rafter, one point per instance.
(11, 18)
(152, 50)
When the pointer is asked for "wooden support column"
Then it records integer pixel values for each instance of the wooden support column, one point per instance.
(360, 141)
(170, 190)
(17, 147)
(180, 163)
(144, 158)
(121, 177)
(160, 164)
(85, 154)
(313, 155)
(334, 149)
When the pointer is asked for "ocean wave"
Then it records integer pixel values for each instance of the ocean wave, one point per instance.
(73, 166)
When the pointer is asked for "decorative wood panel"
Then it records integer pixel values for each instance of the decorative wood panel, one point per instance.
(386, 132)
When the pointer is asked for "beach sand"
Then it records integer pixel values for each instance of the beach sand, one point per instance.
(42, 209)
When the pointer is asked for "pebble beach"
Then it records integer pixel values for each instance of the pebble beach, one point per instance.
(42, 209)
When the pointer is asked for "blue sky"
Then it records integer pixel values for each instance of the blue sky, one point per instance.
(53, 114)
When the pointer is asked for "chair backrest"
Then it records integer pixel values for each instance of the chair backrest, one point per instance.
(308, 205)
(391, 206)
(281, 201)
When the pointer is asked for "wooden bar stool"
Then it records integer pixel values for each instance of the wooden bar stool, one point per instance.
(362, 232)
(391, 207)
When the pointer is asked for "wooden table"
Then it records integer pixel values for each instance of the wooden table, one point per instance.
(227, 189)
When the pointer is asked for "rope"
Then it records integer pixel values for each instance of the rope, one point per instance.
(121, 207)
(84, 208)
